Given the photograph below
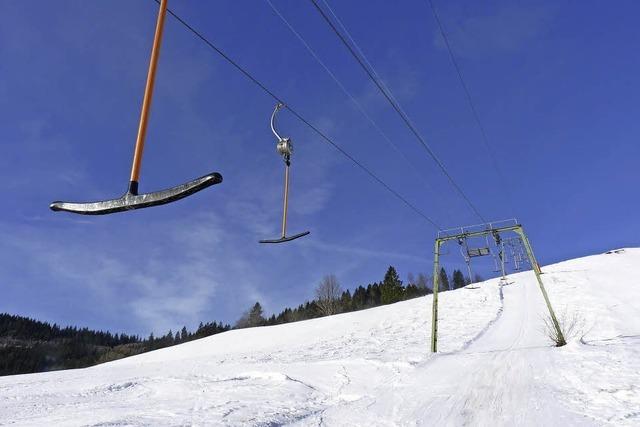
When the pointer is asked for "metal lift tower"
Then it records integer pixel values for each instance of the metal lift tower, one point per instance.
(494, 229)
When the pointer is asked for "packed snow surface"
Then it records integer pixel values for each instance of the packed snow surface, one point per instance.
(373, 367)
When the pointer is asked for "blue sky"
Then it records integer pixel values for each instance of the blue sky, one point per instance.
(554, 83)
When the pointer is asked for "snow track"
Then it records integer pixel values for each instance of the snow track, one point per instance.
(373, 367)
(493, 381)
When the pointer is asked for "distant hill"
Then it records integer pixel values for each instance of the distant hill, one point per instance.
(28, 345)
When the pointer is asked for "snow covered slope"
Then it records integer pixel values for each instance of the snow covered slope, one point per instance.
(373, 367)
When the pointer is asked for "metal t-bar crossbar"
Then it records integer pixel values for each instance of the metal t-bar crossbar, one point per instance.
(132, 199)
(490, 230)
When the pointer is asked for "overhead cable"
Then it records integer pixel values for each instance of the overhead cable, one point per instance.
(358, 105)
(396, 106)
(467, 92)
(326, 138)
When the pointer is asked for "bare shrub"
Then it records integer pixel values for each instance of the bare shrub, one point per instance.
(328, 294)
(570, 327)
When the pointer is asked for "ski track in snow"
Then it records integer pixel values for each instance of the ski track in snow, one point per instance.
(373, 367)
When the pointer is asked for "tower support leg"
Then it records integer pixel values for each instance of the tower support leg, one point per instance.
(538, 272)
(436, 276)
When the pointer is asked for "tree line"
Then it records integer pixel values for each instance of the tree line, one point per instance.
(330, 298)
(28, 345)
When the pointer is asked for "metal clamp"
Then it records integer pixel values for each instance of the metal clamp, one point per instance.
(285, 145)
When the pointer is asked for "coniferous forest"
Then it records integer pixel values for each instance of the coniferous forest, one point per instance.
(28, 345)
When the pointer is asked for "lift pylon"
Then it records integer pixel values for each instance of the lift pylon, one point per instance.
(494, 229)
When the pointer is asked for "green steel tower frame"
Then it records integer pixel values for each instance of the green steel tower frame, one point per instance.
(490, 230)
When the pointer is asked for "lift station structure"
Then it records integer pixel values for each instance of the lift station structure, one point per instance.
(494, 230)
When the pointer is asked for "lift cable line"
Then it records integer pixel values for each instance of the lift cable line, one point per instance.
(301, 118)
(353, 99)
(381, 81)
(474, 110)
(398, 109)
(363, 56)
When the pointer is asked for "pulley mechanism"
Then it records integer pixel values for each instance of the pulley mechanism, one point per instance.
(285, 149)
(131, 199)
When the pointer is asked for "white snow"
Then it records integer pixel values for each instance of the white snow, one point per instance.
(373, 367)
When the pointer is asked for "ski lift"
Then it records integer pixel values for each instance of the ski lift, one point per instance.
(522, 259)
(285, 149)
(469, 253)
(514, 256)
(513, 244)
(131, 199)
(467, 258)
(500, 260)
(475, 252)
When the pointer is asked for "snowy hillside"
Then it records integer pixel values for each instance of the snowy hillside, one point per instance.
(373, 367)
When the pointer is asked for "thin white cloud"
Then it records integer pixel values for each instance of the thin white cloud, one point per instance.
(166, 283)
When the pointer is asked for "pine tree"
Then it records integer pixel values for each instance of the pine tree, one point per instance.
(391, 289)
(458, 279)
(252, 317)
(359, 299)
(374, 295)
(255, 315)
(346, 304)
(444, 280)
(411, 291)
(200, 331)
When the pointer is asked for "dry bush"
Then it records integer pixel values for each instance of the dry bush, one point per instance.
(570, 325)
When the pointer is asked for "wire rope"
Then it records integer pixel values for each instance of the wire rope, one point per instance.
(320, 133)
(474, 110)
(396, 106)
(358, 105)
